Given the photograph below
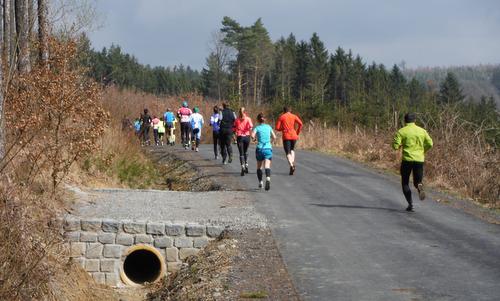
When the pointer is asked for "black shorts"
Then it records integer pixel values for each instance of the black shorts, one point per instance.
(289, 146)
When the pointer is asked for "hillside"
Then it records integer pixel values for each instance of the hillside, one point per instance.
(476, 80)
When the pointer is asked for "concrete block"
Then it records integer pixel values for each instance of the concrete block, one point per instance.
(200, 242)
(92, 265)
(106, 238)
(94, 251)
(134, 227)
(163, 242)
(172, 254)
(143, 239)
(88, 237)
(112, 279)
(91, 224)
(174, 266)
(124, 239)
(186, 252)
(109, 225)
(79, 262)
(214, 231)
(155, 228)
(109, 265)
(183, 242)
(99, 277)
(112, 251)
(72, 236)
(77, 249)
(174, 229)
(195, 230)
(71, 224)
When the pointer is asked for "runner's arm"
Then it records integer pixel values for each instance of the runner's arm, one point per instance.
(273, 136)
(299, 123)
(254, 134)
(396, 143)
(278, 125)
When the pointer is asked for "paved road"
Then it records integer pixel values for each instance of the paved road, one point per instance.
(344, 235)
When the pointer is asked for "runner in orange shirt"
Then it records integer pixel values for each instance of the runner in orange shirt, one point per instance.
(290, 125)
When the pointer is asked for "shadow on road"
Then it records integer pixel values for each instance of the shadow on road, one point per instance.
(357, 207)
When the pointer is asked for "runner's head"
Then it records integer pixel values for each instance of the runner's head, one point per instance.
(410, 117)
(169, 109)
(185, 104)
(241, 113)
(196, 110)
(216, 109)
(145, 111)
(225, 105)
(154, 116)
(261, 118)
(286, 109)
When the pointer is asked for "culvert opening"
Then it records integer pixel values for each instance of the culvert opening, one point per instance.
(142, 264)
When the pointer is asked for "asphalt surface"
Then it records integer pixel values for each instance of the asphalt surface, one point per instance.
(344, 234)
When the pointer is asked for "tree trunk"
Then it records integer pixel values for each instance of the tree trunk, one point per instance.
(239, 83)
(255, 84)
(22, 28)
(12, 32)
(6, 31)
(3, 46)
(43, 32)
(31, 19)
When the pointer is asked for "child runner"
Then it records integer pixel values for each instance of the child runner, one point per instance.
(161, 130)
(242, 127)
(264, 135)
(156, 123)
(214, 123)
(196, 124)
(184, 114)
(286, 124)
(137, 127)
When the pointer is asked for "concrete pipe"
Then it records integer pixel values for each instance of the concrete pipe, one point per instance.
(142, 264)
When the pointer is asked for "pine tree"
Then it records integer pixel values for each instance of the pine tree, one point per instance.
(450, 91)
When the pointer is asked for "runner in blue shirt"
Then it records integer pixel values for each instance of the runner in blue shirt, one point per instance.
(264, 135)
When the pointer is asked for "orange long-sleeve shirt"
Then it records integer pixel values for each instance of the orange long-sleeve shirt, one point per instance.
(286, 124)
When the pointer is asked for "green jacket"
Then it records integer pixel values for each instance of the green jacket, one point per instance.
(414, 140)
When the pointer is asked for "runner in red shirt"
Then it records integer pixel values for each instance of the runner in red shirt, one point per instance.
(243, 127)
(290, 125)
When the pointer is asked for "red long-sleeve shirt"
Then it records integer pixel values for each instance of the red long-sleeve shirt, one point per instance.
(286, 124)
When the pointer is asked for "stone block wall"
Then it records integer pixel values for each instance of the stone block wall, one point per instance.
(100, 245)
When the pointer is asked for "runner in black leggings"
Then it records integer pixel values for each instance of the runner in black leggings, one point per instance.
(214, 123)
(184, 114)
(226, 124)
(243, 127)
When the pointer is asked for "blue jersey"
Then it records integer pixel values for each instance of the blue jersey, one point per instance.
(169, 117)
(263, 134)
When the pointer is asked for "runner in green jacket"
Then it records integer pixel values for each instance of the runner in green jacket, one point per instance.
(415, 142)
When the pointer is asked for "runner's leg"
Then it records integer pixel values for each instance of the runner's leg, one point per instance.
(405, 170)
(418, 175)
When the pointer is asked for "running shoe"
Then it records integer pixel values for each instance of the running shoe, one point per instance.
(246, 167)
(421, 192)
(216, 157)
(224, 162)
(268, 183)
(261, 184)
(230, 159)
(292, 170)
(242, 171)
(409, 208)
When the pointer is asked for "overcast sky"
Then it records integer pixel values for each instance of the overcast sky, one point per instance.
(420, 32)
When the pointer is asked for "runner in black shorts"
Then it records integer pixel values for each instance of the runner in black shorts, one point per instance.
(289, 146)
(290, 125)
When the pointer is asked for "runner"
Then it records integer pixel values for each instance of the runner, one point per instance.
(161, 130)
(137, 127)
(156, 123)
(145, 126)
(226, 123)
(415, 142)
(184, 114)
(214, 123)
(264, 135)
(286, 124)
(196, 126)
(242, 127)
(169, 119)
(171, 134)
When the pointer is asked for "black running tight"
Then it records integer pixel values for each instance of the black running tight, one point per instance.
(243, 144)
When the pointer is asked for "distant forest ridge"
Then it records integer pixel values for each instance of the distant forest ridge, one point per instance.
(476, 80)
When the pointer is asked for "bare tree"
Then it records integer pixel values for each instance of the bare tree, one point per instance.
(43, 32)
(2, 51)
(222, 54)
(6, 30)
(12, 32)
(22, 28)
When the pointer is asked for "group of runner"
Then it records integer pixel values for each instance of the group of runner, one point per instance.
(227, 126)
